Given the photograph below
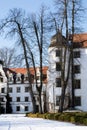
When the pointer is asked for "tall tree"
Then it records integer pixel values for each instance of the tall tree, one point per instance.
(16, 25)
(39, 29)
(66, 12)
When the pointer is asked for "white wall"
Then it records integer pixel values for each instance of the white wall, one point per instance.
(52, 74)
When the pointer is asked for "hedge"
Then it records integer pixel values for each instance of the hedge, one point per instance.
(79, 118)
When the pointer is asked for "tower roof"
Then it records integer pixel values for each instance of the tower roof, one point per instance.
(58, 40)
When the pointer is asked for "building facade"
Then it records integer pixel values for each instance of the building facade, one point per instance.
(18, 89)
(80, 74)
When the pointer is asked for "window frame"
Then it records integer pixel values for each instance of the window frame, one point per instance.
(26, 99)
(17, 108)
(76, 69)
(57, 100)
(58, 53)
(58, 82)
(77, 100)
(58, 66)
(18, 89)
(77, 84)
(10, 89)
(18, 99)
(26, 108)
(76, 54)
(26, 88)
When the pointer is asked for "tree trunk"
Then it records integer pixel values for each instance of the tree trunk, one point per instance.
(28, 71)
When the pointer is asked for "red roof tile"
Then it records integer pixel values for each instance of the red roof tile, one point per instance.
(80, 39)
(24, 70)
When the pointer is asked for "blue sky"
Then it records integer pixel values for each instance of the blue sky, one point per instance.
(29, 6)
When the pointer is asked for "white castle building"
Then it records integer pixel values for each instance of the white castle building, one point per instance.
(18, 84)
(80, 73)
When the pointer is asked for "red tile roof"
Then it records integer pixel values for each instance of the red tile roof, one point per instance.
(80, 39)
(24, 70)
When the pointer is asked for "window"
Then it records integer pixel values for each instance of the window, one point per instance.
(10, 79)
(18, 108)
(76, 69)
(26, 78)
(26, 99)
(57, 100)
(26, 108)
(10, 99)
(2, 90)
(10, 90)
(18, 89)
(26, 89)
(18, 79)
(77, 101)
(58, 82)
(1, 99)
(58, 53)
(1, 79)
(76, 54)
(18, 99)
(58, 66)
(77, 84)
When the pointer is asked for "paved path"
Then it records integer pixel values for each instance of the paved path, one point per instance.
(20, 122)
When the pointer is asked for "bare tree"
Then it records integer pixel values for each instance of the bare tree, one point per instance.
(16, 25)
(10, 58)
(39, 34)
(67, 13)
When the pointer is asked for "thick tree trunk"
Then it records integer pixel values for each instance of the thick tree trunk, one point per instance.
(28, 71)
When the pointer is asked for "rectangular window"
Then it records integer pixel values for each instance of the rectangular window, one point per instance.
(26, 89)
(1, 79)
(58, 66)
(76, 54)
(26, 78)
(10, 89)
(18, 89)
(76, 69)
(58, 82)
(26, 108)
(18, 79)
(10, 79)
(18, 108)
(58, 52)
(57, 100)
(18, 99)
(10, 99)
(26, 99)
(77, 84)
(77, 101)
(2, 90)
(1, 99)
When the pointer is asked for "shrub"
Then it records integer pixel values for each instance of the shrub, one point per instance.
(74, 117)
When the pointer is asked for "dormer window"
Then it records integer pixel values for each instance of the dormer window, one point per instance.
(18, 78)
(10, 79)
(14, 78)
(22, 78)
